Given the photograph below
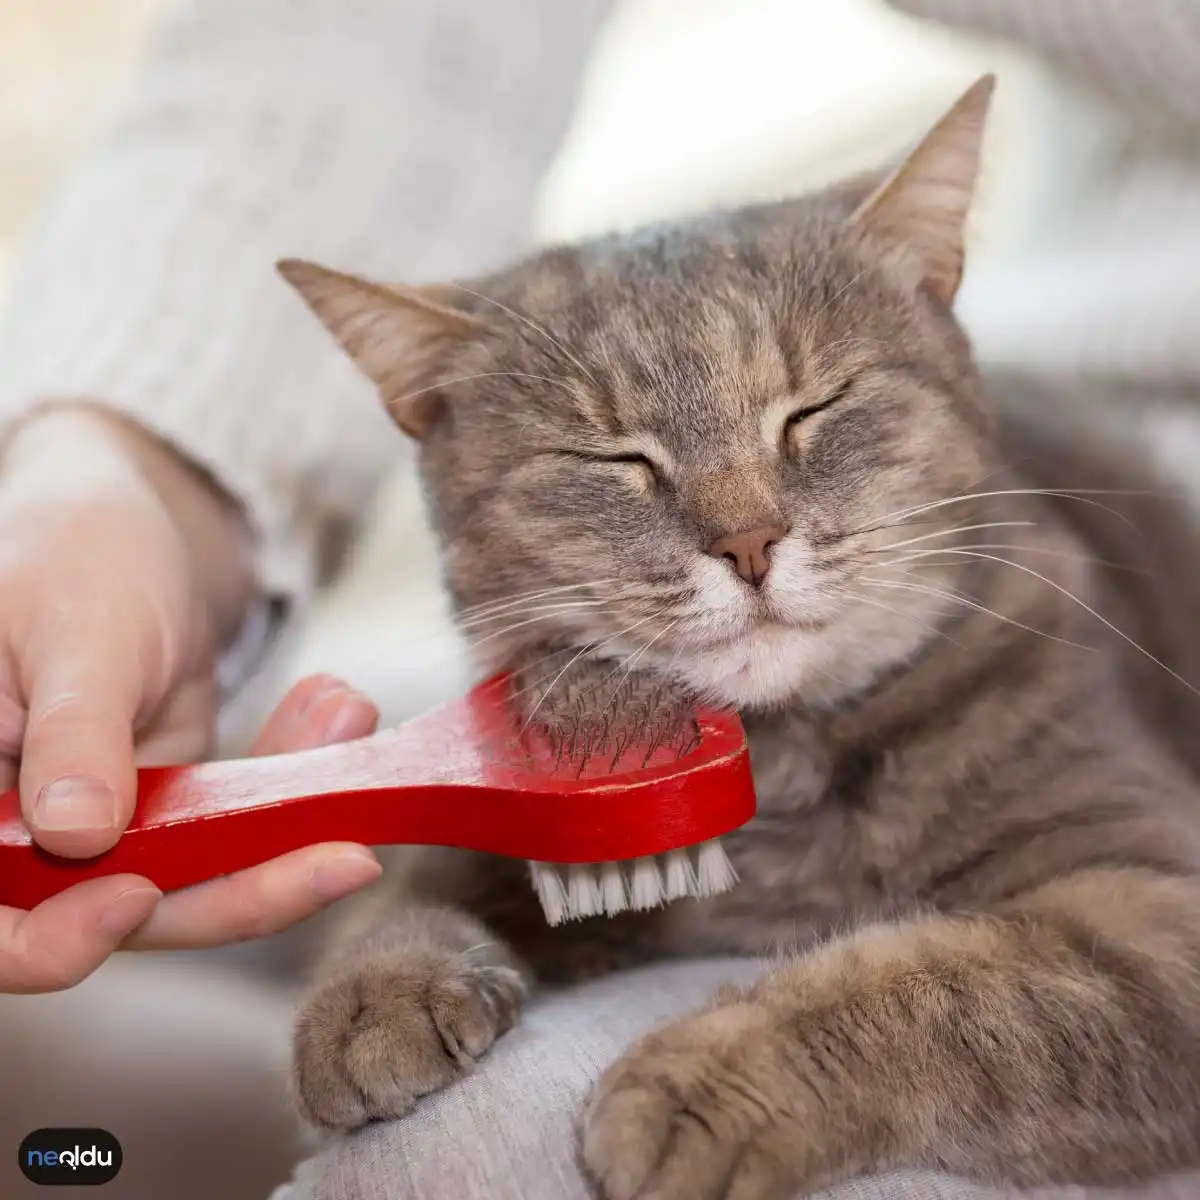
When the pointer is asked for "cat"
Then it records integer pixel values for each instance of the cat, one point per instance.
(747, 459)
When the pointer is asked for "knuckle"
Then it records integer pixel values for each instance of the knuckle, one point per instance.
(68, 707)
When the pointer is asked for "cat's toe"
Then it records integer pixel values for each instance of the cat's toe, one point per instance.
(372, 1041)
(678, 1117)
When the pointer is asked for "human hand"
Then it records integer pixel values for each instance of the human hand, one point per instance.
(68, 936)
(122, 572)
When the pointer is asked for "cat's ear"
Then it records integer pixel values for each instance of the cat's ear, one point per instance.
(919, 212)
(398, 337)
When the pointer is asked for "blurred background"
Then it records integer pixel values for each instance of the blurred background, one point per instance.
(688, 103)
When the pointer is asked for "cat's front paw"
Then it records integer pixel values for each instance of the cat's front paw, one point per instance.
(691, 1113)
(374, 1039)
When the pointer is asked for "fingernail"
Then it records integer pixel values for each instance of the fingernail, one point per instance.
(329, 685)
(75, 802)
(335, 877)
(349, 718)
(128, 911)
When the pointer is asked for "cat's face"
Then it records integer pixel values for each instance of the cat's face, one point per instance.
(697, 474)
(686, 449)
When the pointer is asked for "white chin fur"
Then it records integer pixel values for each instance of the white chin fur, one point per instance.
(769, 665)
(765, 668)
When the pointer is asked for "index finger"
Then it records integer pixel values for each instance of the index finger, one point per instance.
(258, 901)
(64, 939)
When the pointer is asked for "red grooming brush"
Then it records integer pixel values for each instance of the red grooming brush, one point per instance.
(463, 775)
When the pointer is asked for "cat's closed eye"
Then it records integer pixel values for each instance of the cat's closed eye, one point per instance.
(795, 420)
(639, 468)
(642, 470)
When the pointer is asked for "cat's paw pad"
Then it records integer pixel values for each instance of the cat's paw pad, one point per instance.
(688, 1113)
(373, 1040)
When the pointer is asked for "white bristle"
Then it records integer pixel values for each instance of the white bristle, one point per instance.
(582, 890)
(548, 883)
(646, 884)
(715, 873)
(584, 897)
(612, 885)
(681, 875)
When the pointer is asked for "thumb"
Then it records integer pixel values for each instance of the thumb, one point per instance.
(78, 780)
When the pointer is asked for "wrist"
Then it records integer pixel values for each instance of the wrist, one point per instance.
(209, 522)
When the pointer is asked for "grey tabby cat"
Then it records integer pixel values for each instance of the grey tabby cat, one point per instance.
(747, 459)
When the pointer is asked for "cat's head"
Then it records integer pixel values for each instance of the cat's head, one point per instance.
(686, 446)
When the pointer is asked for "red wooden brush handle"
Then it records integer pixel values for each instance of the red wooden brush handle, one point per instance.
(459, 776)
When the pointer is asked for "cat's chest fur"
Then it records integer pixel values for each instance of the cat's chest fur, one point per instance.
(850, 830)
(824, 847)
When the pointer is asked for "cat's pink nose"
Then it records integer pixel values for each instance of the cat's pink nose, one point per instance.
(749, 552)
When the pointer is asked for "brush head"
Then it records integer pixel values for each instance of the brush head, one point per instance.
(617, 779)
(577, 724)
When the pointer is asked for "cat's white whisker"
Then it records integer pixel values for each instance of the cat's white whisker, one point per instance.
(528, 597)
(873, 602)
(952, 529)
(491, 636)
(529, 687)
(635, 659)
(960, 598)
(561, 606)
(1078, 494)
(898, 515)
(1058, 587)
(530, 323)
(841, 292)
(592, 646)
(400, 401)
(914, 556)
